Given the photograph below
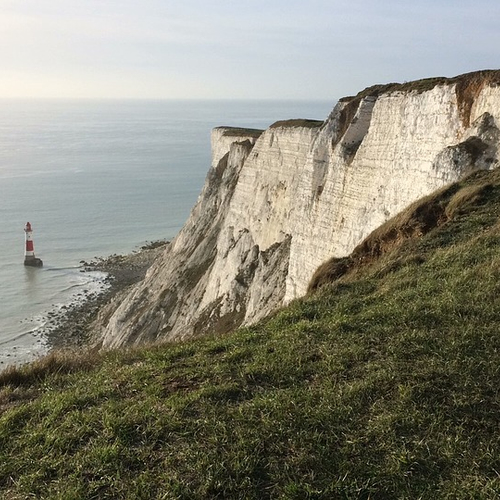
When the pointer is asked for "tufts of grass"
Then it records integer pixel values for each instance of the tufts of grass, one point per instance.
(418, 219)
(380, 385)
(57, 362)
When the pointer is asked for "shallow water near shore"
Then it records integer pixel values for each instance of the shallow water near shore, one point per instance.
(96, 178)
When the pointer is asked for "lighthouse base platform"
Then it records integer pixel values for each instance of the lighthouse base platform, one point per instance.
(33, 262)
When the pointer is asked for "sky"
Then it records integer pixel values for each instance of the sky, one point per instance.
(233, 49)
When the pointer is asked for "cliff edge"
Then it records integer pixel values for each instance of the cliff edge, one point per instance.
(277, 203)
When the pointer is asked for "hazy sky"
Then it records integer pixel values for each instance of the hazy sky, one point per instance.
(298, 49)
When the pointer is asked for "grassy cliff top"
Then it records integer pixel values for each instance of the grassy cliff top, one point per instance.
(238, 131)
(297, 123)
(489, 77)
(467, 88)
(382, 384)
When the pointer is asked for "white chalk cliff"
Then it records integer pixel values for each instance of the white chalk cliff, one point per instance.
(276, 205)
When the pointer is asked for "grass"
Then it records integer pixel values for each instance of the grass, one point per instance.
(237, 131)
(489, 77)
(299, 122)
(467, 88)
(418, 219)
(383, 384)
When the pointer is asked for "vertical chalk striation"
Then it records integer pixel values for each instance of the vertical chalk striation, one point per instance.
(278, 203)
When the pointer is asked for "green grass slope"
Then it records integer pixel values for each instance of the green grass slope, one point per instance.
(382, 384)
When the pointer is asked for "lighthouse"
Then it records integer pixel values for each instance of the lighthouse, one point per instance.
(29, 253)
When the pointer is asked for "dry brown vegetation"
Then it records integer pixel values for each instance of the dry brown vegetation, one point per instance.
(383, 386)
(415, 221)
(63, 361)
(467, 85)
(467, 88)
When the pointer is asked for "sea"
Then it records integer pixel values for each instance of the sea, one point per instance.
(96, 178)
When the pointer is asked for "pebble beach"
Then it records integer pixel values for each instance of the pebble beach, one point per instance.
(71, 326)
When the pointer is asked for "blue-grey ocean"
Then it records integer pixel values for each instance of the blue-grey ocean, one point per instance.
(97, 177)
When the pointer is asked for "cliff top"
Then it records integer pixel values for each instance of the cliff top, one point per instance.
(240, 132)
(297, 123)
(466, 80)
(384, 384)
(467, 88)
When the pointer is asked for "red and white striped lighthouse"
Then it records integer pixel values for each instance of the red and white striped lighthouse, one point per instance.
(29, 253)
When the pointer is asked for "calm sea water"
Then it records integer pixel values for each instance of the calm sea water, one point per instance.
(96, 178)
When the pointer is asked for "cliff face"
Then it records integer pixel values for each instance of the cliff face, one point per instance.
(276, 205)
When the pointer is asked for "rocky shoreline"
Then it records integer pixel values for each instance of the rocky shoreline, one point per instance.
(71, 326)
